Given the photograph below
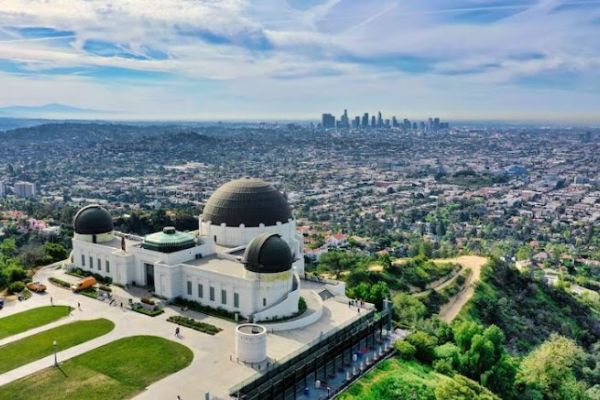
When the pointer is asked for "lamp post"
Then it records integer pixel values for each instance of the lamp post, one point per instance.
(55, 357)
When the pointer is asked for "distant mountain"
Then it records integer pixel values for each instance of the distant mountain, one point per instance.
(47, 110)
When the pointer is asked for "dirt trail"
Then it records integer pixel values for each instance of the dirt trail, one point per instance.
(450, 310)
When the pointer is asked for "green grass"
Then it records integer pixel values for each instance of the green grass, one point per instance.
(32, 348)
(117, 370)
(30, 319)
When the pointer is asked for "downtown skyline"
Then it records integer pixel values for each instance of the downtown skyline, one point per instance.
(236, 60)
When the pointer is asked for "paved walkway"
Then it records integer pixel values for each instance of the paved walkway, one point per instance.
(211, 371)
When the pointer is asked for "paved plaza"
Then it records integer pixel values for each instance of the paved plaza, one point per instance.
(213, 370)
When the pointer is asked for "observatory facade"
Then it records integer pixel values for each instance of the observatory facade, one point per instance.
(246, 257)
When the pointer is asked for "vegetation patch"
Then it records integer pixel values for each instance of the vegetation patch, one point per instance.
(117, 370)
(81, 273)
(195, 325)
(150, 311)
(90, 292)
(215, 312)
(59, 283)
(40, 345)
(528, 311)
(26, 320)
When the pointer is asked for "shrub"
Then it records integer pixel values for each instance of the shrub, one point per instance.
(16, 287)
(60, 282)
(193, 324)
(90, 292)
(405, 350)
(443, 366)
(195, 306)
(153, 312)
(105, 288)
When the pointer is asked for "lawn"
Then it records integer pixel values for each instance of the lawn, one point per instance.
(117, 370)
(30, 319)
(34, 347)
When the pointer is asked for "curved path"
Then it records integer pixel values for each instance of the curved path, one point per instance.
(450, 310)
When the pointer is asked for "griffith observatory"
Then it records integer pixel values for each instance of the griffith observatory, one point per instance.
(246, 257)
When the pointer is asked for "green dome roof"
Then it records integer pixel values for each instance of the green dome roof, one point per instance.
(247, 201)
(92, 220)
(169, 240)
(268, 253)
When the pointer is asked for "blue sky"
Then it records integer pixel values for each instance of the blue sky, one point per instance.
(267, 59)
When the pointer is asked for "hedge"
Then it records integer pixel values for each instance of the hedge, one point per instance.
(195, 325)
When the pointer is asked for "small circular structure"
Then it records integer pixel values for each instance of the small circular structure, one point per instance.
(169, 240)
(251, 343)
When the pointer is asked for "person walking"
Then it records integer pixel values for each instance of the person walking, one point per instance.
(51, 301)
(79, 306)
(177, 332)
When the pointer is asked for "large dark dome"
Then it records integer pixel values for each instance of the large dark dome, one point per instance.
(268, 253)
(247, 201)
(92, 220)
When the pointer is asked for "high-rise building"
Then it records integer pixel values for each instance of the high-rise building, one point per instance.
(379, 120)
(436, 124)
(2, 189)
(344, 121)
(356, 123)
(415, 126)
(373, 122)
(365, 120)
(24, 189)
(394, 122)
(406, 123)
(328, 121)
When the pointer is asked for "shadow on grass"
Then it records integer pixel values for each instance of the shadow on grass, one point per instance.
(62, 370)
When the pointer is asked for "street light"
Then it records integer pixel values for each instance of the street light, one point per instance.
(55, 358)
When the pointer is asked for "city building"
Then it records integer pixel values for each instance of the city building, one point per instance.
(2, 189)
(24, 189)
(328, 121)
(246, 257)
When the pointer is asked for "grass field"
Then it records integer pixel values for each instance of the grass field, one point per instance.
(34, 347)
(30, 319)
(117, 370)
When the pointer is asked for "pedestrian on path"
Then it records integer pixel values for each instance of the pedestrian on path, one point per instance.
(177, 332)
(51, 301)
(178, 397)
(79, 306)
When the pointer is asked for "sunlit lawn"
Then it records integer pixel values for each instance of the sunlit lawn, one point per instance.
(30, 319)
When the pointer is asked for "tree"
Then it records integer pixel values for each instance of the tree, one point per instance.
(424, 344)
(551, 367)
(408, 309)
(54, 252)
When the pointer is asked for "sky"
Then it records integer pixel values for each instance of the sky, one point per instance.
(295, 59)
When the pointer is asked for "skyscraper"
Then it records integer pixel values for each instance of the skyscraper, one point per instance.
(365, 120)
(373, 122)
(344, 121)
(356, 122)
(328, 121)
(394, 122)
(379, 120)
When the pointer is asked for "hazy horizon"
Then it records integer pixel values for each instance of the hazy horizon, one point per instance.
(242, 60)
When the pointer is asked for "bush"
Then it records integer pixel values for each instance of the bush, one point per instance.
(443, 366)
(60, 282)
(16, 287)
(215, 312)
(424, 344)
(90, 292)
(153, 312)
(195, 325)
(105, 288)
(405, 350)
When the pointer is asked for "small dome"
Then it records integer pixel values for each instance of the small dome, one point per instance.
(92, 220)
(247, 201)
(169, 240)
(268, 253)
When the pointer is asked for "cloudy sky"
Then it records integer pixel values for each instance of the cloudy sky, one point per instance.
(238, 59)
